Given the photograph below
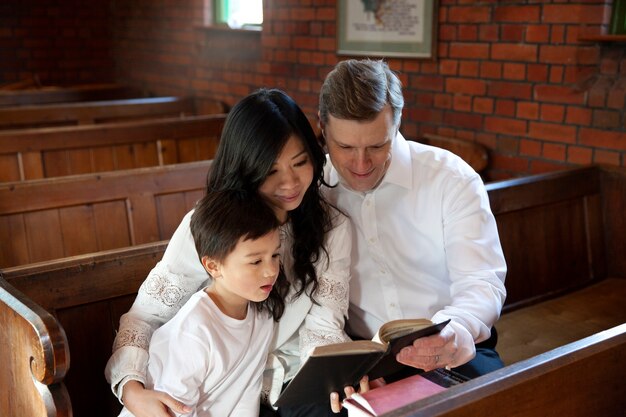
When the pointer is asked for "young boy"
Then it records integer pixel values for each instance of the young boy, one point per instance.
(212, 353)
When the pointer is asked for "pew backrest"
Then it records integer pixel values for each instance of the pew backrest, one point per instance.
(68, 94)
(67, 114)
(72, 304)
(474, 153)
(581, 379)
(65, 216)
(35, 153)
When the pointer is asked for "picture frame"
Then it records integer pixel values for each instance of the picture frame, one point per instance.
(387, 28)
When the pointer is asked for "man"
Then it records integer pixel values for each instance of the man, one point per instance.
(425, 243)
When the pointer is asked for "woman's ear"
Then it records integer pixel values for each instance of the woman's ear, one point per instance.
(212, 266)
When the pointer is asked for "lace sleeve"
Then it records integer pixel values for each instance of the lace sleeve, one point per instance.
(168, 286)
(325, 321)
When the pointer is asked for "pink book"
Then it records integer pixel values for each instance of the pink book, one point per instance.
(389, 397)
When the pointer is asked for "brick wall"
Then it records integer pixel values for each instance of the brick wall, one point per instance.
(57, 42)
(511, 75)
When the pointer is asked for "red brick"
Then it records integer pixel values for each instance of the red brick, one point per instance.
(606, 157)
(426, 82)
(326, 13)
(537, 72)
(606, 119)
(483, 105)
(467, 14)
(554, 151)
(464, 120)
(513, 71)
(490, 69)
(302, 13)
(488, 33)
(505, 125)
(552, 113)
(447, 33)
(448, 66)
(468, 33)
(616, 99)
(527, 110)
(537, 33)
(552, 132)
(558, 94)
(443, 101)
(556, 74)
(462, 103)
(573, 13)
(540, 167)
(579, 155)
(512, 33)
(468, 68)
(557, 34)
(426, 115)
(578, 116)
(530, 147)
(466, 86)
(487, 139)
(514, 52)
(516, 90)
(522, 14)
(469, 50)
(505, 108)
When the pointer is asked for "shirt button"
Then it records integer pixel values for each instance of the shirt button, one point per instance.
(372, 239)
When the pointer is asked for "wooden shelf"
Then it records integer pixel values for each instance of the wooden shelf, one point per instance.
(603, 38)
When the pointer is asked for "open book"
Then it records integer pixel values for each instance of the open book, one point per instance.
(332, 367)
(400, 393)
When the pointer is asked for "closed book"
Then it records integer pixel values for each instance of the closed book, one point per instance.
(392, 396)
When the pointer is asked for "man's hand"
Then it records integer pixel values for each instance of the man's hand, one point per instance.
(432, 352)
(148, 403)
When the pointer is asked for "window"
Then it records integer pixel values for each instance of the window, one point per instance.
(239, 14)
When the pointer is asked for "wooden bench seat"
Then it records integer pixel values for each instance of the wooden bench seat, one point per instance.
(89, 112)
(34, 153)
(65, 94)
(85, 296)
(65, 216)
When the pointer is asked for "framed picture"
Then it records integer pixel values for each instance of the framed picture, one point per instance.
(387, 28)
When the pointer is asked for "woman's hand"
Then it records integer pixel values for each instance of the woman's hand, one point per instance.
(149, 403)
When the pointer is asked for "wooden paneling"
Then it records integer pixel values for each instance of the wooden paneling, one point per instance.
(53, 152)
(66, 114)
(57, 217)
(51, 94)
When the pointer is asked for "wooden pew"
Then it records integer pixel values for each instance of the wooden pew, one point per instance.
(87, 294)
(63, 315)
(51, 152)
(67, 114)
(65, 216)
(55, 94)
(474, 153)
(581, 379)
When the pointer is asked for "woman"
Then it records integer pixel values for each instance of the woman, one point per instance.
(267, 146)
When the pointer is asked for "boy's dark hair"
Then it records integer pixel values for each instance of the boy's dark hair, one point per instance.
(222, 218)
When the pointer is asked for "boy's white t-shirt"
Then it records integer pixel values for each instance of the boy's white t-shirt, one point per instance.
(210, 361)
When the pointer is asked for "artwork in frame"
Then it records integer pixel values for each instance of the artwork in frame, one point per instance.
(387, 28)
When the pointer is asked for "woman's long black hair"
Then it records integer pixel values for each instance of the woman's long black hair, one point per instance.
(255, 132)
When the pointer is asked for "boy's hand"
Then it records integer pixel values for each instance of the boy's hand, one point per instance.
(143, 402)
(335, 403)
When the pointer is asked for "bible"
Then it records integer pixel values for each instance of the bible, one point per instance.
(330, 368)
(400, 393)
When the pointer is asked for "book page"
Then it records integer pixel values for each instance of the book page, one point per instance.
(355, 347)
(399, 328)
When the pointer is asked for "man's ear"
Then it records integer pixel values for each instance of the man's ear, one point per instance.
(212, 266)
